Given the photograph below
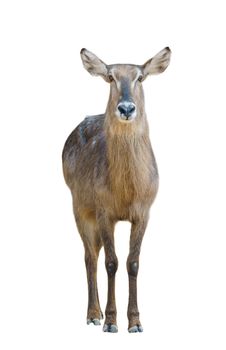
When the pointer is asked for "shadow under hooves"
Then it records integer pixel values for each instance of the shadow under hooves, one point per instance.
(136, 329)
(94, 321)
(110, 328)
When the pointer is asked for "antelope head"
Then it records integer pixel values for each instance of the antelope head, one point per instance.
(126, 101)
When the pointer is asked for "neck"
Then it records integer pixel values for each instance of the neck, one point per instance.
(129, 155)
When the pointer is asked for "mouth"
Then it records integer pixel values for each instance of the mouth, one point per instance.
(126, 118)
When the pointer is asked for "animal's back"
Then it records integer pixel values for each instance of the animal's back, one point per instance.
(83, 152)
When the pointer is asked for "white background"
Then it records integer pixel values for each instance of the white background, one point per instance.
(44, 94)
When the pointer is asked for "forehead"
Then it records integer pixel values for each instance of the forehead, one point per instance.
(124, 71)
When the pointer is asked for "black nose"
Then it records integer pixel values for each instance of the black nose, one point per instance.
(126, 109)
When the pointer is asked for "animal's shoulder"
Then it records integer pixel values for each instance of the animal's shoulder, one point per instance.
(90, 127)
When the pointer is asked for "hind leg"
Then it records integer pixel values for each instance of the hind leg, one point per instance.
(92, 245)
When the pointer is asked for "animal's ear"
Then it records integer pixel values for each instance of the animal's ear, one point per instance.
(158, 63)
(93, 64)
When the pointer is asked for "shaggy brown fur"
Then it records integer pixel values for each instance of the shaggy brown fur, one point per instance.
(111, 171)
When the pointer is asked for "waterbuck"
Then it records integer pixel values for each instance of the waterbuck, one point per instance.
(110, 168)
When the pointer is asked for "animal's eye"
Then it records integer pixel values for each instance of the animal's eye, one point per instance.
(110, 77)
(140, 78)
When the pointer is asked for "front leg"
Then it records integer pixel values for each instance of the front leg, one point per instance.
(111, 264)
(137, 233)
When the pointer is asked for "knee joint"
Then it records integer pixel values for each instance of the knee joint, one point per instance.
(111, 267)
(133, 267)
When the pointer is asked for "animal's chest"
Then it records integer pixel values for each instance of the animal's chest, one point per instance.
(131, 181)
(130, 178)
(128, 196)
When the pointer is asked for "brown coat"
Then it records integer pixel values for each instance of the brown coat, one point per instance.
(110, 168)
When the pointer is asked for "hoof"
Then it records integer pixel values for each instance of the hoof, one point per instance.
(110, 328)
(95, 321)
(136, 329)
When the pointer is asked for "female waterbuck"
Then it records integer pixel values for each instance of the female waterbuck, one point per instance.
(110, 168)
